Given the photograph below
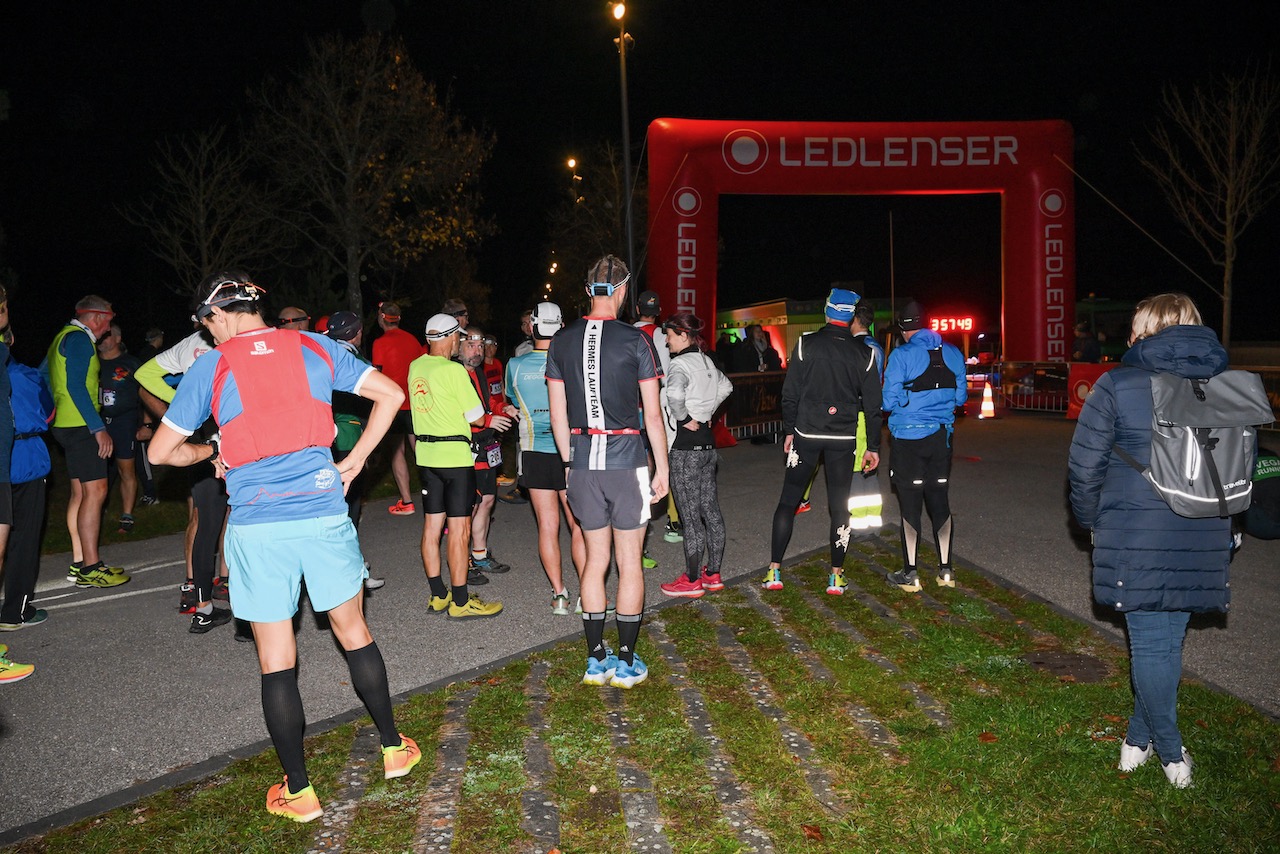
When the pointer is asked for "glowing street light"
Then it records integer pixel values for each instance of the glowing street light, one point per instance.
(619, 14)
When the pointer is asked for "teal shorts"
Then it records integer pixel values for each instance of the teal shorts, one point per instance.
(269, 561)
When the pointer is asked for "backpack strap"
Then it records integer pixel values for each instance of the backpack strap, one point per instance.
(1207, 445)
(1128, 458)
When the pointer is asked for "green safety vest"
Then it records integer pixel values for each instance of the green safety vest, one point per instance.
(66, 414)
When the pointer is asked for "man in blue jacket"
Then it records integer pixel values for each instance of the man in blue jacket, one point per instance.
(923, 384)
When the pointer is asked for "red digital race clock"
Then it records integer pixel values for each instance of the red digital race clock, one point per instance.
(951, 324)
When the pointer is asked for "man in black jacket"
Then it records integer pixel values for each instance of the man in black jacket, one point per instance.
(831, 377)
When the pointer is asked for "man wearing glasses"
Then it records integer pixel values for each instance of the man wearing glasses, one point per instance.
(72, 364)
(292, 317)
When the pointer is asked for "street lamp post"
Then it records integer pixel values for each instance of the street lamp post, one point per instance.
(619, 14)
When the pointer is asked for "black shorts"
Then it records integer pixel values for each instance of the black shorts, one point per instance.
(83, 462)
(124, 435)
(539, 470)
(402, 424)
(6, 504)
(486, 483)
(921, 462)
(451, 491)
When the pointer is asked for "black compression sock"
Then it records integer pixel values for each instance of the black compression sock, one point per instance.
(461, 596)
(436, 584)
(628, 634)
(593, 628)
(369, 678)
(282, 708)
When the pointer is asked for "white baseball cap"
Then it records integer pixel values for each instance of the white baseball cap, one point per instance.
(547, 319)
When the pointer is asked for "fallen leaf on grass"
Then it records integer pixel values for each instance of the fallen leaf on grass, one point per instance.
(1067, 677)
(1275, 766)
(812, 831)
(1115, 719)
(987, 737)
(441, 822)
(1201, 724)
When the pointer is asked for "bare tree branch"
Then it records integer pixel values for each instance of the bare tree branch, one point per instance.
(1222, 168)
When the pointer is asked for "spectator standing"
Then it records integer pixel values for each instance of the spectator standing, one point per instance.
(122, 413)
(1149, 564)
(73, 370)
(695, 388)
(924, 382)
(649, 309)
(831, 379)
(269, 391)
(600, 372)
(392, 353)
(755, 353)
(153, 344)
(1085, 347)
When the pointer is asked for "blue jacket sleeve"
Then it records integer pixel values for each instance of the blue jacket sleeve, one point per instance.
(955, 362)
(1091, 451)
(6, 416)
(78, 350)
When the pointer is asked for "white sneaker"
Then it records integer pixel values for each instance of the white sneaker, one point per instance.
(1132, 757)
(1179, 773)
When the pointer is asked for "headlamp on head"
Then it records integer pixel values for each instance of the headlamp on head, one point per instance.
(473, 336)
(607, 287)
(226, 292)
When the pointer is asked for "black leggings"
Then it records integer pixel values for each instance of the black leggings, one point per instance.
(693, 480)
(801, 462)
(921, 471)
(209, 495)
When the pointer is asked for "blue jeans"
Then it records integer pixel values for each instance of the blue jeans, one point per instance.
(1155, 667)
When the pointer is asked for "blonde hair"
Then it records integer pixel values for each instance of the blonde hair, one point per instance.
(1162, 311)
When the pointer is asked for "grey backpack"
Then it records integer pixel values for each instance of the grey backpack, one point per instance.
(1203, 441)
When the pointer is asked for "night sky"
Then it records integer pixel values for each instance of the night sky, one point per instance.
(93, 87)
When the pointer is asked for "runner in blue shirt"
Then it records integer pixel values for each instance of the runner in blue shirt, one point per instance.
(269, 390)
(541, 470)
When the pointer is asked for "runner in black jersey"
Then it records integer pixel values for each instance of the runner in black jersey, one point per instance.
(599, 372)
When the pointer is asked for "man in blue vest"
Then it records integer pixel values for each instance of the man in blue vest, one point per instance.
(269, 390)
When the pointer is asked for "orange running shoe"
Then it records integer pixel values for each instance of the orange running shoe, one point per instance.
(399, 760)
(301, 806)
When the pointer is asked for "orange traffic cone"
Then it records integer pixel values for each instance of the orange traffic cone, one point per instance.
(988, 403)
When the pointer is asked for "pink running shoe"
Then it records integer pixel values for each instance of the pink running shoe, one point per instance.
(683, 588)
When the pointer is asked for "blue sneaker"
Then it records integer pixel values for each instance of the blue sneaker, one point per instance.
(629, 675)
(600, 672)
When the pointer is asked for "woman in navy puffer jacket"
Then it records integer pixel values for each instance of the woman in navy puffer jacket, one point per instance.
(1149, 563)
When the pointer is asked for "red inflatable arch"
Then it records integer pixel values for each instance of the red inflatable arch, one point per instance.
(694, 162)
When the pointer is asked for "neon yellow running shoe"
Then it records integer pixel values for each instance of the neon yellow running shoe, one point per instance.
(648, 562)
(399, 760)
(301, 806)
(475, 607)
(12, 671)
(102, 576)
(772, 579)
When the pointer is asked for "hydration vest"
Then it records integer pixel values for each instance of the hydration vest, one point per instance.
(278, 415)
(937, 375)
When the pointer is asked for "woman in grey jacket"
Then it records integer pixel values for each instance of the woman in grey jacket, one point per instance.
(694, 388)
(1149, 563)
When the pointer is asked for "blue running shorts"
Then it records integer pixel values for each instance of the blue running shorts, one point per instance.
(269, 561)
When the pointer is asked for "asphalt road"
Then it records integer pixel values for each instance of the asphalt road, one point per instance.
(123, 693)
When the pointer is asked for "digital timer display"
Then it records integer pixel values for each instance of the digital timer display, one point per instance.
(951, 324)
